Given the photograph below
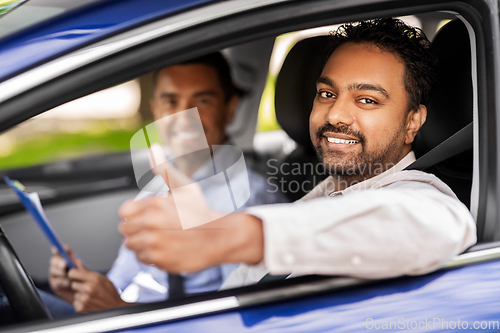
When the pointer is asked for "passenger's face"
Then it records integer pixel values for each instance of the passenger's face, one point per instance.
(359, 123)
(183, 87)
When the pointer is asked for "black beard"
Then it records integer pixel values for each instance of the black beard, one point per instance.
(362, 166)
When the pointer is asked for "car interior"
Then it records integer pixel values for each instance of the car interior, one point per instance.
(82, 194)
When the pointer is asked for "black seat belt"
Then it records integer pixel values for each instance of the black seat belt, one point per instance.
(175, 286)
(454, 145)
(269, 278)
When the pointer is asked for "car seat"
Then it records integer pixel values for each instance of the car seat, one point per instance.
(294, 95)
(450, 107)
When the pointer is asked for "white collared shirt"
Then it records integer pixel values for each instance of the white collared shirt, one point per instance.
(396, 223)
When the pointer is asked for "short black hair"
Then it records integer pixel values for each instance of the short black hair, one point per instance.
(217, 61)
(409, 43)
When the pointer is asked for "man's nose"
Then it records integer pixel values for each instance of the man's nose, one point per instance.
(341, 113)
(183, 118)
(184, 104)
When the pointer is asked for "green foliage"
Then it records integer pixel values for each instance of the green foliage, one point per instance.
(56, 146)
(266, 120)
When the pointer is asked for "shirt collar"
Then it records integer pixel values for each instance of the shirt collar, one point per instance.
(366, 184)
(223, 157)
(325, 187)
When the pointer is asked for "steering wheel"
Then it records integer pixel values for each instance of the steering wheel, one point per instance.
(23, 296)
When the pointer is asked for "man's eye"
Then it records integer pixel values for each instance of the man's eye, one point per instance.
(367, 101)
(168, 102)
(325, 94)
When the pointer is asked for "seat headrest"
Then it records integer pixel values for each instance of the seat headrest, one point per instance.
(296, 87)
(450, 106)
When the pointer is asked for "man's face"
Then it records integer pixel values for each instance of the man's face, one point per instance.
(359, 123)
(183, 87)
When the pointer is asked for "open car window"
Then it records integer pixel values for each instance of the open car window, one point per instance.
(81, 151)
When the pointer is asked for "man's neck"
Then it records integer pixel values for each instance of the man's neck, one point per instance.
(189, 164)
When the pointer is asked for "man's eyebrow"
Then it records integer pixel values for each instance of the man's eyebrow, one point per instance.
(207, 92)
(369, 86)
(326, 80)
(198, 94)
(168, 95)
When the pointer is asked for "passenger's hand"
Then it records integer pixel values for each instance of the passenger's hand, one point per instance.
(92, 291)
(58, 275)
(181, 233)
(153, 231)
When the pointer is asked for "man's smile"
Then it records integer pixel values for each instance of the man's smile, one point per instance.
(335, 140)
(339, 141)
(187, 135)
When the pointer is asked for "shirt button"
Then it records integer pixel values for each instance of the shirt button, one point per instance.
(289, 259)
(356, 260)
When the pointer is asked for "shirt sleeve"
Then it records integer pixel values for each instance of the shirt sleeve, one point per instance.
(124, 269)
(402, 229)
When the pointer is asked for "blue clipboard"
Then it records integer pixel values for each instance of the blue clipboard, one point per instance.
(31, 202)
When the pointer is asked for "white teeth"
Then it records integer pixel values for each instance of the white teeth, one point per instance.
(187, 135)
(349, 142)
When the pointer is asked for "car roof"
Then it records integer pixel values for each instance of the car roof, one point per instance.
(76, 27)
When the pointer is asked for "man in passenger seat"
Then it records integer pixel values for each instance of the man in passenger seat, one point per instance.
(370, 218)
(204, 83)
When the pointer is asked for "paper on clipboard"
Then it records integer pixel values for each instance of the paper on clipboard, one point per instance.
(31, 201)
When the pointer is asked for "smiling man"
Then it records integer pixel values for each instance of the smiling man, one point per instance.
(370, 218)
(362, 122)
(203, 83)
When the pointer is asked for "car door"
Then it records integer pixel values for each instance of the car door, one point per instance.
(306, 303)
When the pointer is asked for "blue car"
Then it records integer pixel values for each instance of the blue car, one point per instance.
(55, 53)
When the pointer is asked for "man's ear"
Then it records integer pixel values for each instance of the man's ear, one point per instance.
(415, 120)
(231, 107)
